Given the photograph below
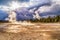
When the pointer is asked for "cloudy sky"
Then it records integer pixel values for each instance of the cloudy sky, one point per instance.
(22, 2)
(45, 10)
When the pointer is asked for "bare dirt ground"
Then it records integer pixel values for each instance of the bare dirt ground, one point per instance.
(39, 31)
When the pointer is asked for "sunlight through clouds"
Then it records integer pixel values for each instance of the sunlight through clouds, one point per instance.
(15, 4)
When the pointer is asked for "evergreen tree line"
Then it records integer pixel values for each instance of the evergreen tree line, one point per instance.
(48, 20)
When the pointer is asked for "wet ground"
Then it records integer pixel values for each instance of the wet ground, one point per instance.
(38, 31)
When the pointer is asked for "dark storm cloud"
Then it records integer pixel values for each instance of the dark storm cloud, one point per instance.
(52, 10)
(24, 0)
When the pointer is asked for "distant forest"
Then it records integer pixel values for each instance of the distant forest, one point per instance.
(54, 19)
(2, 21)
(48, 20)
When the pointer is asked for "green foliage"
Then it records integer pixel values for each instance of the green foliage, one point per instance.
(48, 20)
